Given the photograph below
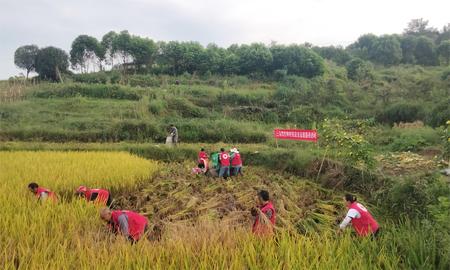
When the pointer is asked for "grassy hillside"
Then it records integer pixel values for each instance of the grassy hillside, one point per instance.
(233, 109)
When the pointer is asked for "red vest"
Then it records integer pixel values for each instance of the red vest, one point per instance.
(236, 160)
(102, 197)
(136, 223)
(51, 194)
(224, 159)
(203, 155)
(366, 224)
(261, 229)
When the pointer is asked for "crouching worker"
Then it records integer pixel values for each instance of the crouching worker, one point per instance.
(264, 215)
(129, 224)
(41, 193)
(96, 195)
(362, 221)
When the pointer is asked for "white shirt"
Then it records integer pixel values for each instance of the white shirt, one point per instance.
(351, 214)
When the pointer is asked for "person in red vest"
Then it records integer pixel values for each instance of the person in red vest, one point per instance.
(360, 218)
(264, 215)
(97, 195)
(203, 160)
(236, 162)
(129, 224)
(224, 159)
(41, 193)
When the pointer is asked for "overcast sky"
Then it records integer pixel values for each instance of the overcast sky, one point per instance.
(321, 22)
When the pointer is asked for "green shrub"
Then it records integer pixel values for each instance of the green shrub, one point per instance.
(185, 108)
(86, 90)
(413, 139)
(401, 112)
(440, 114)
(412, 197)
(99, 77)
(143, 80)
(157, 106)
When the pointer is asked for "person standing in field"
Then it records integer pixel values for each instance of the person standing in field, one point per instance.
(41, 193)
(264, 215)
(224, 159)
(173, 131)
(360, 218)
(236, 162)
(129, 224)
(203, 160)
(96, 195)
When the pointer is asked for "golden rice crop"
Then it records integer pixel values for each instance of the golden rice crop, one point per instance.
(70, 235)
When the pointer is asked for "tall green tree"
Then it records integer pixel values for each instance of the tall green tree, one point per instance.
(444, 34)
(86, 50)
(408, 44)
(425, 52)
(363, 47)
(107, 45)
(254, 58)
(143, 51)
(122, 47)
(386, 50)
(335, 54)
(51, 62)
(297, 60)
(444, 52)
(25, 57)
(419, 27)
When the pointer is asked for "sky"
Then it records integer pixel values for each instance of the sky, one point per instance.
(224, 22)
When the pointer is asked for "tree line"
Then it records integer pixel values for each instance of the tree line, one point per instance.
(419, 44)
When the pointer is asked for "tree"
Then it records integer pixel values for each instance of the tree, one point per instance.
(254, 58)
(444, 34)
(425, 52)
(408, 44)
(419, 27)
(51, 62)
(444, 52)
(362, 48)
(216, 58)
(297, 60)
(107, 45)
(386, 50)
(143, 51)
(335, 54)
(179, 57)
(86, 49)
(122, 47)
(358, 70)
(25, 57)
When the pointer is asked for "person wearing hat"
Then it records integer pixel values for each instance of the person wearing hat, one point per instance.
(96, 195)
(236, 162)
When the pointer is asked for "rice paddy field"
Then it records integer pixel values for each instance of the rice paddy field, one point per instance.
(206, 222)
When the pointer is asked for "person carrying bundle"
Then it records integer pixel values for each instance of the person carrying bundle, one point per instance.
(236, 162)
(203, 160)
(41, 193)
(264, 215)
(360, 218)
(96, 195)
(129, 224)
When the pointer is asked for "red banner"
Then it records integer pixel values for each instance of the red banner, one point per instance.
(296, 134)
